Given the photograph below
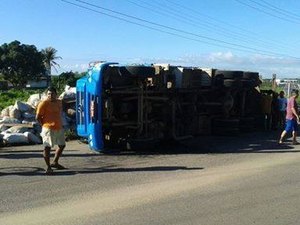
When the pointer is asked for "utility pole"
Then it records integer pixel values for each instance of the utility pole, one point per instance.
(288, 89)
(274, 85)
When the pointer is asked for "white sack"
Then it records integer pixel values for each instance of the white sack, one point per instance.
(14, 113)
(32, 138)
(7, 119)
(22, 106)
(15, 138)
(34, 100)
(3, 128)
(17, 129)
(5, 111)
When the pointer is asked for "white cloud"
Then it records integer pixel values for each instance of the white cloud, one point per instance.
(73, 67)
(265, 65)
(221, 56)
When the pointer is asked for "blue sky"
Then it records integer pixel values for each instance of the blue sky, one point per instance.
(252, 35)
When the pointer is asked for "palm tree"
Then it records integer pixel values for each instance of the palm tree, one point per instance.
(50, 61)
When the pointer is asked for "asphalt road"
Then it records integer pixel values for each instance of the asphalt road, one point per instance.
(209, 180)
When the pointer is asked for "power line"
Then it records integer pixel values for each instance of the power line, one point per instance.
(195, 21)
(168, 27)
(179, 30)
(128, 21)
(180, 17)
(145, 26)
(275, 10)
(254, 36)
(283, 10)
(236, 46)
(265, 12)
(272, 8)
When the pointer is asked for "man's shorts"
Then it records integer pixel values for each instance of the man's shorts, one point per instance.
(53, 137)
(291, 125)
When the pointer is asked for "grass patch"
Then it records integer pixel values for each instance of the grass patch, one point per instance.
(9, 97)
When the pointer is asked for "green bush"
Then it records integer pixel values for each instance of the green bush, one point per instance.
(66, 78)
(9, 97)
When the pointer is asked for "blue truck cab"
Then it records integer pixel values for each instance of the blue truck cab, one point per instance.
(88, 105)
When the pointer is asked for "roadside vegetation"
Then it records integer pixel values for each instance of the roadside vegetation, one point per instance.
(67, 78)
(9, 97)
(20, 63)
(267, 85)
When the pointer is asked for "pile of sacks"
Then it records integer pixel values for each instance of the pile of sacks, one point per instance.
(19, 126)
(69, 104)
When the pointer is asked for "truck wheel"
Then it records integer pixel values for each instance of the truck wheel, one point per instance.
(138, 71)
(218, 80)
(250, 75)
(230, 83)
(248, 83)
(114, 78)
(230, 74)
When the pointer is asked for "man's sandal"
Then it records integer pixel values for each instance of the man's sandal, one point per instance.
(58, 166)
(49, 171)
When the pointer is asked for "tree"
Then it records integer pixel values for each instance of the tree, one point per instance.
(66, 78)
(50, 60)
(20, 63)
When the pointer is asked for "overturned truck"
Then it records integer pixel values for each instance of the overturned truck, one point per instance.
(138, 106)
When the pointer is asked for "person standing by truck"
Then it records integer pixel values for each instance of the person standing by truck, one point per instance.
(266, 108)
(49, 115)
(292, 118)
(282, 102)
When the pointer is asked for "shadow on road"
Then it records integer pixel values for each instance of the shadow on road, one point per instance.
(27, 154)
(256, 142)
(36, 171)
(259, 142)
(22, 171)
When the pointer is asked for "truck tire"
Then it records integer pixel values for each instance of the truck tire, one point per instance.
(247, 84)
(230, 74)
(218, 80)
(114, 78)
(231, 83)
(250, 75)
(138, 71)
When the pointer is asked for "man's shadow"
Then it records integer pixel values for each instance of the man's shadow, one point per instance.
(36, 171)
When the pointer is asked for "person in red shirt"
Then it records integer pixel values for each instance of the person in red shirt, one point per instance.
(292, 118)
(49, 115)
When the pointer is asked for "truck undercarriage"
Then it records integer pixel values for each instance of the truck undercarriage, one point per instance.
(139, 106)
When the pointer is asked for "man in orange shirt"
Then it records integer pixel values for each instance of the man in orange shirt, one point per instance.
(49, 115)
